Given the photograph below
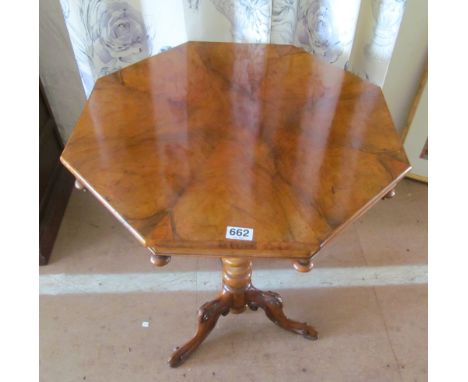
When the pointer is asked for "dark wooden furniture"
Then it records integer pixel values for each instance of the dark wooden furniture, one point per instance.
(55, 183)
(183, 145)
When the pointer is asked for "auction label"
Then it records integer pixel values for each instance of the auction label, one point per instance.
(239, 233)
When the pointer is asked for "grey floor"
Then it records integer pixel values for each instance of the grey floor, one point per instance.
(370, 331)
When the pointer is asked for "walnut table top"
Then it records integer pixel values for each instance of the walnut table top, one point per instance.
(209, 135)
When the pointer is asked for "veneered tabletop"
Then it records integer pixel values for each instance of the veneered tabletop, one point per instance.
(209, 135)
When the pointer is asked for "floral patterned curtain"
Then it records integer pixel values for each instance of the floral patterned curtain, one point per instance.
(358, 35)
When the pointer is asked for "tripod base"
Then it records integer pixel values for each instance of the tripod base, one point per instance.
(238, 293)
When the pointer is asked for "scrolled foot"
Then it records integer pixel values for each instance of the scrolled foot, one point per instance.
(272, 304)
(208, 315)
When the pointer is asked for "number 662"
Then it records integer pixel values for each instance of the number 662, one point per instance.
(239, 232)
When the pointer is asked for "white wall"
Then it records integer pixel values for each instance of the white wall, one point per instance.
(408, 62)
(57, 68)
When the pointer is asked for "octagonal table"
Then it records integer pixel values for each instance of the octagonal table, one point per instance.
(236, 151)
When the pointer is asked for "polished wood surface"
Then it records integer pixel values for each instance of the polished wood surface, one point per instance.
(208, 135)
(237, 294)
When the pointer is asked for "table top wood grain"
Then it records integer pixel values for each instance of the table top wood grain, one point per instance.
(208, 135)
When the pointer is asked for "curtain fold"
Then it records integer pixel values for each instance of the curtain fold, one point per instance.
(357, 35)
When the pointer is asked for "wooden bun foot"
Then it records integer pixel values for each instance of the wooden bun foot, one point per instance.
(303, 265)
(390, 194)
(79, 185)
(159, 260)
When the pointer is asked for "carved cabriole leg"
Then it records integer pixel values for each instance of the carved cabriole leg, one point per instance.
(238, 293)
(272, 304)
(208, 315)
(236, 280)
